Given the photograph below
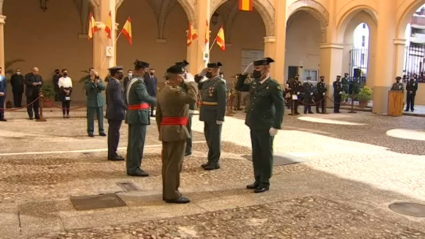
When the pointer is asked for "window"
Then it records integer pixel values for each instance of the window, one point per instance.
(311, 73)
(363, 41)
(364, 25)
(362, 60)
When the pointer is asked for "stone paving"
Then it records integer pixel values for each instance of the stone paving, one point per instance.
(356, 164)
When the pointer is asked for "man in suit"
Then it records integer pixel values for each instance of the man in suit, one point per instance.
(152, 86)
(264, 118)
(188, 77)
(172, 117)
(33, 82)
(17, 81)
(95, 102)
(3, 91)
(139, 102)
(115, 111)
(213, 109)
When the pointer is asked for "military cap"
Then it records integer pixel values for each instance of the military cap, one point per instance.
(322, 77)
(115, 69)
(398, 78)
(338, 76)
(214, 65)
(175, 70)
(263, 62)
(141, 64)
(184, 63)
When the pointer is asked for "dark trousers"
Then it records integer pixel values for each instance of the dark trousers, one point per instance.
(33, 106)
(262, 156)
(172, 160)
(57, 96)
(320, 104)
(188, 149)
(135, 147)
(308, 101)
(91, 112)
(337, 103)
(212, 132)
(17, 99)
(294, 107)
(2, 106)
(410, 102)
(66, 104)
(114, 127)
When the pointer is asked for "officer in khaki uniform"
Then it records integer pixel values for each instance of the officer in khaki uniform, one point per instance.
(264, 118)
(172, 117)
(212, 111)
(138, 119)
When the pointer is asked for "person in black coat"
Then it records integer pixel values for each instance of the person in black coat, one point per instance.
(152, 86)
(115, 111)
(33, 82)
(17, 81)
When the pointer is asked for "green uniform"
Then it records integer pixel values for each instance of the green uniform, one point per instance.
(397, 87)
(212, 111)
(171, 116)
(345, 84)
(138, 118)
(95, 103)
(264, 112)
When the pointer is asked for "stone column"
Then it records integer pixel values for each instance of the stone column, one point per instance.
(195, 52)
(400, 52)
(270, 50)
(330, 65)
(384, 59)
(278, 68)
(2, 59)
(100, 39)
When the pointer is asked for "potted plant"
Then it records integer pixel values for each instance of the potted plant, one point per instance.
(344, 97)
(364, 96)
(49, 94)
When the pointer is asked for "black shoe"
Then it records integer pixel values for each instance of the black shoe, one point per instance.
(180, 200)
(116, 158)
(310, 112)
(212, 167)
(187, 154)
(64, 116)
(261, 190)
(406, 110)
(31, 118)
(252, 186)
(102, 134)
(138, 173)
(91, 135)
(205, 165)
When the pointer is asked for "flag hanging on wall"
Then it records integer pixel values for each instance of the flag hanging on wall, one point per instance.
(246, 5)
(126, 31)
(108, 27)
(92, 27)
(221, 42)
(207, 35)
(191, 35)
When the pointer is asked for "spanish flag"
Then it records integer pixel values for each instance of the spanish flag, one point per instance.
(246, 5)
(191, 35)
(92, 27)
(207, 35)
(126, 31)
(221, 42)
(108, 27)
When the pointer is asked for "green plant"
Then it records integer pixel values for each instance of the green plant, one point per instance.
(365, 94)
(48, 91)
(344, 96)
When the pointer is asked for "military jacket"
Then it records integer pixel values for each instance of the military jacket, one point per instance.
(138, 94)
(321, 88)
(307, 89)
(411, 86)
(174, 102)
(214, 100)
(345, 83)
(398, 87)
(337, 87)
(94, 93)
(266, 106)
(295, 86)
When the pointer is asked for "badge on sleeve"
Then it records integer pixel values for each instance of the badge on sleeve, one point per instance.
(278, 87)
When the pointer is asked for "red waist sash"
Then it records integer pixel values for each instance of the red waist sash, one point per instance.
(142, 106)
(175, 121)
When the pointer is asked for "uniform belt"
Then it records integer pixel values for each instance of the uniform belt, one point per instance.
(175, 121)
(142, 106)
(209, 103)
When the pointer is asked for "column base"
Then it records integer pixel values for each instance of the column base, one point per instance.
(380, 100)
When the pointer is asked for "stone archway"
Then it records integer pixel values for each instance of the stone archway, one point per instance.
(264, 8)
(406, 11)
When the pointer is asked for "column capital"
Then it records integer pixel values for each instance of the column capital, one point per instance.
(2, 19)
(269, 39)
(399, 41)
(331, 45)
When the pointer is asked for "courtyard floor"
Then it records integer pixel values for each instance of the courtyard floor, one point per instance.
(352, 167)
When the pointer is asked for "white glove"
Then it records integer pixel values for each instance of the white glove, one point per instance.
(340, 92)
(311, 93)
(219, 122)
(324, 93)
(298, 93)
(1, 93)
(273, 131)
(191, 111)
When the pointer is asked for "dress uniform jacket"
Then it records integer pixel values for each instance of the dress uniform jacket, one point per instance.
(214, 100)
(138, 101)
(95, 97)
(397, 87)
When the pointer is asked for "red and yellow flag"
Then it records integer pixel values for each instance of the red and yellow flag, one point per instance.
(108, 27)
(126, 31)
(221, 42)
(207, 34)
(191, 35)
(92, 27)
(246, 5)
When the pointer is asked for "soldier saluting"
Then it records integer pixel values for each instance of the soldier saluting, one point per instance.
(138, 119)
(212, 111)
(172, 117)
(264, 118)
